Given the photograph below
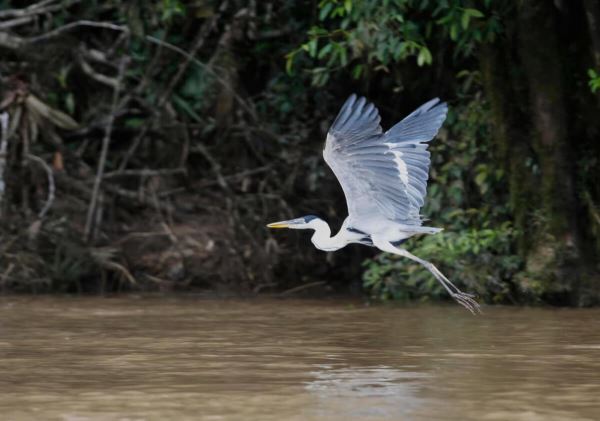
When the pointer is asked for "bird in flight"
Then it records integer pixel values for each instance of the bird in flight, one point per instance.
(384, 178)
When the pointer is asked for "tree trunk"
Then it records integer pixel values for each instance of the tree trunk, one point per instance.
(511, 143)
(592, 12)
(539, 48)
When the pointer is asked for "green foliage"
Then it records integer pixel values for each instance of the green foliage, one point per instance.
(171, 9)
(361, 37)
(594, 82)
(477, 260)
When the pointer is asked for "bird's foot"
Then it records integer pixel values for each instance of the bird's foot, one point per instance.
(467, 301)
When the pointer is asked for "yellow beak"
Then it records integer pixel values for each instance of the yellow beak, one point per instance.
(278, 225)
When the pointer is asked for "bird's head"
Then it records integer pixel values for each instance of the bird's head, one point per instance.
(304, 222)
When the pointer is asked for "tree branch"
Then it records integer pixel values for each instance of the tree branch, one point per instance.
(104, 151)
(51, 185)
(3, 148)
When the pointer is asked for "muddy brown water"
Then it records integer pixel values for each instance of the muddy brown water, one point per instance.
(184, 358)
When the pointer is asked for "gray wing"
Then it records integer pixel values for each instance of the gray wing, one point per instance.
(382, 174)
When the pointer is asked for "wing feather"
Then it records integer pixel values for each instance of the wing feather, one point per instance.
(383, 174)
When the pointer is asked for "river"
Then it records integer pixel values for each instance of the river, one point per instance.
(196, 358)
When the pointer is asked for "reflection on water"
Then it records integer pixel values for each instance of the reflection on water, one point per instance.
(186, 358)
(375, 392)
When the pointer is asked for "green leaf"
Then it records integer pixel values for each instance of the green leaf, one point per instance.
(320, 76)
(348, 5)
(454, 32)
(474, 13)
(185, 106)
(344, 56)
(424, 57)
(62, 76)
(317, 31)
(324, 13)
(594, 82)
(324, 51)
(312, 47)
(465, 19)
(172, 8)
(289, 64)
(446, 19)
(70, 103)
(134, 122)
(481, 181)
(338, 11)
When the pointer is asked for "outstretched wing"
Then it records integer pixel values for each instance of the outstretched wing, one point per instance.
(382, 174)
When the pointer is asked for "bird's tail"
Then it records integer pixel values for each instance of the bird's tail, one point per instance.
(424, 230)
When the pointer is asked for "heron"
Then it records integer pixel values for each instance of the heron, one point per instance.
(384, 178)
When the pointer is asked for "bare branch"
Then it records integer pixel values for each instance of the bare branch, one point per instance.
(209, 183)
(15, 22)
(145, 172)
(14, 42)
(72, 25)
(3, 148)
(208, 68)
(98, 77)
(302, 288)
(11, 42)
(198, 43)
(42, 7)
(136, 197)
(117, 267)
(104, 151)
(51, 185)
(215, 166)
(203, 33)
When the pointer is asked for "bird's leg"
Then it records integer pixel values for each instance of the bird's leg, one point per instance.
(464, 299)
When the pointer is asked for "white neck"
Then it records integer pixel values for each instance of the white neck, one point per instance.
(322, 237)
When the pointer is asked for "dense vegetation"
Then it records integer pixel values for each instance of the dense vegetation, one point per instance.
(147, 143)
